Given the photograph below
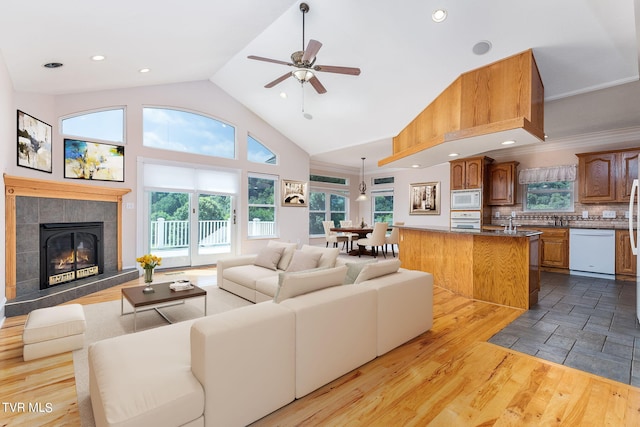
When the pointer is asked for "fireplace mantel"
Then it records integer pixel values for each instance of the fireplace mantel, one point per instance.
(31, 187)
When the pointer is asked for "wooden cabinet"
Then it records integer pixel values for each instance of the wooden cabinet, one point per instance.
(468, 173)
(554, 247)
(502, 183)
(625, 259)
(607, 176)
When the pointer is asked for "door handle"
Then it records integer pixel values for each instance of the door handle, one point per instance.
(234, 217)
(634, 188)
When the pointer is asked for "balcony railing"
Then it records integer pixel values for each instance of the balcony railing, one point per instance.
(167, 234)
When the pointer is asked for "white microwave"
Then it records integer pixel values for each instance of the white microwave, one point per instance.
(466, 199)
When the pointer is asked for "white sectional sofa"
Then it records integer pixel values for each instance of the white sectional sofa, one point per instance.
(206, 372)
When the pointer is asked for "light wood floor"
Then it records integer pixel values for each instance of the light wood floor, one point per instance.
(447, 376)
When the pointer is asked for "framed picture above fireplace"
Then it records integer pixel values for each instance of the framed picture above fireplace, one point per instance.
(34, 143)
(94, 161)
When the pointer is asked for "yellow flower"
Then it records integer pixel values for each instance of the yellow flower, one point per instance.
(149, 261)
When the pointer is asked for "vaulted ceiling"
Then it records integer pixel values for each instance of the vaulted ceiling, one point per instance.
(581, 47)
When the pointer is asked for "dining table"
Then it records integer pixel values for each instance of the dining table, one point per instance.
(360, 231)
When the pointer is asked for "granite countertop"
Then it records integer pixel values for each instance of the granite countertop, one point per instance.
(598, 225)
(492, 233)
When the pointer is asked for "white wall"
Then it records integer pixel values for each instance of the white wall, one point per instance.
(8, 120)
(200, 97)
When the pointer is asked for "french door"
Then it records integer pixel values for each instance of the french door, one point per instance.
(190, 228)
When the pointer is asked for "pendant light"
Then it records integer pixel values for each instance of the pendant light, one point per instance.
(363, 187)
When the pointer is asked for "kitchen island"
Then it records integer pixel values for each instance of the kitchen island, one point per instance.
(492, 266)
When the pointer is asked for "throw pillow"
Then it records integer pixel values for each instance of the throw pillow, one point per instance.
(269, 257)
(304, 282)
(354, 269)
(289, 248)
(329, 255)
(304, 261)
(378, 269)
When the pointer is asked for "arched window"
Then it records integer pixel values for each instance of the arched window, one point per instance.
(178, 130)
(258, 153)
(103, 125)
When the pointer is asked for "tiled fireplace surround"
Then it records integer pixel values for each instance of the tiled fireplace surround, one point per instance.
(32, 202)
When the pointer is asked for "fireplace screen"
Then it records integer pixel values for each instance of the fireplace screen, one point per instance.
(70, 252)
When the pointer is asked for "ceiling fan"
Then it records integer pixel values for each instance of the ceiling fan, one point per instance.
(304, 63)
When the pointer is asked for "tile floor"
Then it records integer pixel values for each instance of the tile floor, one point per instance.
(586, 323)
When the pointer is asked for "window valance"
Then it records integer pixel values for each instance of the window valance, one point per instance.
(550, 174)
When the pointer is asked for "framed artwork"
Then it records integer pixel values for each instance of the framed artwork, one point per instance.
(93, 161)
(294, 193)
(424, 198)
(34, 143)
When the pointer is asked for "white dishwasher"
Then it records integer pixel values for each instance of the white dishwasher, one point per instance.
(592, 252)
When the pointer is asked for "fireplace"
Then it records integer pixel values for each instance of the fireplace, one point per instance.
(70, 251)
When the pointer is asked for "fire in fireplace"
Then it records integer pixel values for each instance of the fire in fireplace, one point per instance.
(70, 251)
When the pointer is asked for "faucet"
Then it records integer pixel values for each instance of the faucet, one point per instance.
(510, 227)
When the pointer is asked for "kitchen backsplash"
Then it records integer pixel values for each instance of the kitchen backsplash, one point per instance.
(598, 216)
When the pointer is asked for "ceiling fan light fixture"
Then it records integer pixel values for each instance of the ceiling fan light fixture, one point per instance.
(302, 74)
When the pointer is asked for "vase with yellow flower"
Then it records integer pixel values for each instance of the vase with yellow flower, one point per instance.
(148, 262)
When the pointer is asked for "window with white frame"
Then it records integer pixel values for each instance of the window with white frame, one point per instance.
(257, 152)
(103, 125)
(184, 131)
(548, 189)
(325, 205)
(262, 205)
(382, 203)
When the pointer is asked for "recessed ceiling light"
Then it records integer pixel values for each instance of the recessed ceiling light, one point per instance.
(415, 166)
(98, 58)
(509, 142)
(454, 155)
(481, 47)
(283, 95)
(53, 65)
(439, 15)
(145, 70)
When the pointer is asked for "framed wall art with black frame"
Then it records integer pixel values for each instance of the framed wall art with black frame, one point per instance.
(294, 193)
(424, 198)
(93, 161)
(34, 143)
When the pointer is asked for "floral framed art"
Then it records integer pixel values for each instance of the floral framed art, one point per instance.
(424, 198)
(294, 193)
(93, 161)
(34, 143)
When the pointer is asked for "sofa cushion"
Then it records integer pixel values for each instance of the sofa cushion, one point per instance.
(154, 386)
(267, 286)
(269, 257)
(354, 269)
(382, 268)
(287, 254)
(304, 261)
(304, 282)
(328, 258)
(247, 275)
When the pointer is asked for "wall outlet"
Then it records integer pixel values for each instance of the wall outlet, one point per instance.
(585, 214)
(497, 214)
(513, 214)
(609, 214)
(129, 205)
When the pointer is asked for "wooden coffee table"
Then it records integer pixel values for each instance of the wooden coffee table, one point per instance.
(162, 295)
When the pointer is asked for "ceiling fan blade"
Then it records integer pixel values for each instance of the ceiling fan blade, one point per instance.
(278, 80)
(275, 61)
(311, 51)
(340, 70)
(317, 85)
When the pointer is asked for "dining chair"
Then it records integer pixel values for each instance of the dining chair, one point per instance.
(393, 238)
(377, 239)
(332, 236)
(351, 236)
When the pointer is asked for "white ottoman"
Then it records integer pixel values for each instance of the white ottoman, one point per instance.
(53, 330)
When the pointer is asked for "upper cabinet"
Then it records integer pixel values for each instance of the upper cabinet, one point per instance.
(502, 183)
(607, 176)
(469, 173)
